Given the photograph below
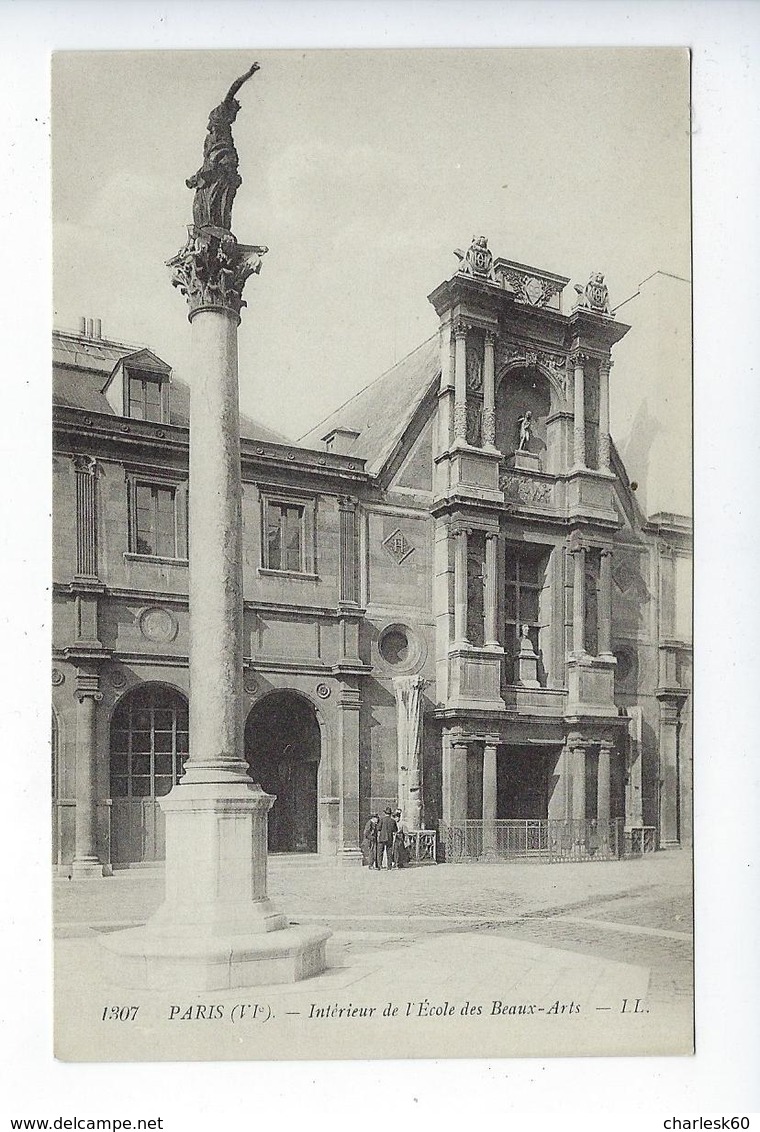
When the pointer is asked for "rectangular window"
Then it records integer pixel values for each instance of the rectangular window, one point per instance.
(158, 522)
(145, 399)
(286, 541)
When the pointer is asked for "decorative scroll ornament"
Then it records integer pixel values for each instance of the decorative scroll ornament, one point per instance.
(477, 261)
(212, 268)
(521, 491)
(594, 296)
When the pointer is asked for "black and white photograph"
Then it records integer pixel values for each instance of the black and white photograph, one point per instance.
(372, 554)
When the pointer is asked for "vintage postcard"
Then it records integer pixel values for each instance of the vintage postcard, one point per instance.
(372, 473)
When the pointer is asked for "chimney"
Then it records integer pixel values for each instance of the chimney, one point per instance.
(98, 329)
(83, 326)
(340, 441)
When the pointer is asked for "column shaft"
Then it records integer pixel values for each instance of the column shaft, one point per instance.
(490, 596)
(605, 603)
(86, 862)
(460, 384)
(216, 555)
(349, 588)
(87, 546)
(489, 392)
(489, 798)
(604, 415)
(577, 782)
(460, 587)
(349, 703)
(454, 780)
(603, 784)
(579, 421)
(579, 598)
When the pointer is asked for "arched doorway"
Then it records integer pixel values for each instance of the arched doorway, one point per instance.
(282, 745)
(149, 746)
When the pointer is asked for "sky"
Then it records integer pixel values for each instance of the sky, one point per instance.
(362, 171)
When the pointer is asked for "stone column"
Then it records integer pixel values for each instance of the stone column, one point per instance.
(605, 366)
(489, 391)
(579, 418)
(490, 594)
(489, 797)
(579, 598)
(460, 587)
(603, 782)
(349, 705)
(605, 603)
(86, 862)
(576, 752)
(454, 778)
(216, 928)
(460, 382)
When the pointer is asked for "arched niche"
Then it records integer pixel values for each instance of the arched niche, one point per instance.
(522, 388)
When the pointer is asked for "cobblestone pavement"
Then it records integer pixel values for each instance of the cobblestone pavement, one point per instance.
(635, 911)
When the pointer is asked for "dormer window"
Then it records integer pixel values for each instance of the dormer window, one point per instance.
(148, 397)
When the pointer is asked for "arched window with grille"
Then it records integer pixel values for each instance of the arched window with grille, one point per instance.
(149, 742)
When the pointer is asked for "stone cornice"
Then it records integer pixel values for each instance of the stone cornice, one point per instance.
(126, 434)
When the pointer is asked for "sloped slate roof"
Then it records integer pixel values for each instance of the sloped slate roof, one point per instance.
(81, 369)
(382, 411)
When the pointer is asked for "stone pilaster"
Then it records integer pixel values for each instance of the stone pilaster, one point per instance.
(349, 574)
(460, 382)
(605, 603)
(85, 471)
(460, 586)
(86, 862)
(490, 594)
(579, 598)
(605, 366)
(579, 413)
(349, 706)
(489, 391)
(670, 770)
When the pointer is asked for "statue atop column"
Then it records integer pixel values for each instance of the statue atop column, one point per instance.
(212, 267)
(217, 181)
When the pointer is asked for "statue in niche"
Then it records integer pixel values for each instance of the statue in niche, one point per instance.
(526, 430)
(217, 181)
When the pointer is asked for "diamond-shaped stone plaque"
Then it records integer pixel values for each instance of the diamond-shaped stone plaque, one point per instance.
(398, 546)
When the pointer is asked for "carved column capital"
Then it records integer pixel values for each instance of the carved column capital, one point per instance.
(459, 328)
(85, 465)
(87, 686)
(492, 536)
(490, 334)
(605, 365)
(212, 268)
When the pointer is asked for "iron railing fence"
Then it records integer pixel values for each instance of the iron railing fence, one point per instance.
(536, 839)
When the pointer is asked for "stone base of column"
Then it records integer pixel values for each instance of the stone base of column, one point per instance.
(216, 928)
(83, 868)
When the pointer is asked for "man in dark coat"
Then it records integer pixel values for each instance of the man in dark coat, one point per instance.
(385, 836)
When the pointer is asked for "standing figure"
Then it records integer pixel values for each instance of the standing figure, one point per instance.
(526, 424)
(400, 847)
(369, 842)
(218, 180)
(385, 838)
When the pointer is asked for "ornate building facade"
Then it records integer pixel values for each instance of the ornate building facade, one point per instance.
(452, 598)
